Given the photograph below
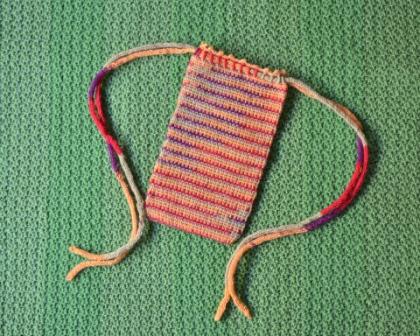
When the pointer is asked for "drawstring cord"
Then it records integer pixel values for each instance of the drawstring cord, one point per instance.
(308, 224)
(119, 164)
(135, 201)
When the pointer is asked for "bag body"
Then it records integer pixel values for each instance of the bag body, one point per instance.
(206, 176)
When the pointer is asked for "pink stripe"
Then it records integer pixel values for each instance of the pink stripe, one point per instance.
(189, 107)
(214, 80)
(220, 130)
(239, 149)
(213, 163)
(226, 109)
(191, 230)
(177, 214)
(189, 193)
(180, 140)
(240, 101)
(204, 186)
(152, 194)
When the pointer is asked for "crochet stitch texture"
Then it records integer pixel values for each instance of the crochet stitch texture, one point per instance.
(235, 103)
(216, 148)
(357, 275)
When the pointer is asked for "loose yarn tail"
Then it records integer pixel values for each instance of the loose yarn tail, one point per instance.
(118, 162)
(308, 224)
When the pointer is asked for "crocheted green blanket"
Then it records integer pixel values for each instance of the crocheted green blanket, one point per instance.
(358, 275)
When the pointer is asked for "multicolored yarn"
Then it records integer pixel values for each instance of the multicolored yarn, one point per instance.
(118, 162)
(206, 177)
(311, 223)
(207, 174)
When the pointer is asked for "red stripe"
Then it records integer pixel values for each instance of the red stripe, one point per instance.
(213, 176)
(339, 201)
(204, 137)
(242, 124)
(151, 193)
(364, 171)
(216, 164)
(194, 220)
(248, 90)
(100, 124)
(190, 230)
(184, 178)
(195, 206)
(192, 194)
(224, 95)
(98, 102)
(231, 134)
(356, 183)
(220, 108)
(215, 152)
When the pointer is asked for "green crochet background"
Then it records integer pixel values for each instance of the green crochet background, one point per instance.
(358, 275)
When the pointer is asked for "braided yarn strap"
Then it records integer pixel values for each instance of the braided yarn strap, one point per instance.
(308, 224)
(119, 164)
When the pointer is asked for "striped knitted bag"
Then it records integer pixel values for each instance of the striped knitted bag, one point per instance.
(206, 176)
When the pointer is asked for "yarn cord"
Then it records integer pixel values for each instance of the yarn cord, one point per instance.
(311, 223)
(118, 162)
(135, 201)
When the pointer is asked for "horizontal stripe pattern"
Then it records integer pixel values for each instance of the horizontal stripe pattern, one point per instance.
(206, 177)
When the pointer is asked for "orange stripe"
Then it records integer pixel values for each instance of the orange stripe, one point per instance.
(249, 124)
(214, 149)
(188, 202)
(233, 169)
(193, 216)
(205, 195)
(262, 96)
(232, 132)
(261, 86)
(197, 168)
(219, 150)
(170, 220)
(253, 149)
(192, 178)
(209, 94)
(160, 189)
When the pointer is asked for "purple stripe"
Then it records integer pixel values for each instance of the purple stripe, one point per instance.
(226, 109)
(202, 112)
(329, 216)
(231, 87)
(112, 157)
(185, 144)
(194, 134)
(244, 79)
(190, 158)
(98, 78)
(232, 99)
(209, 189)
(189, 193)
(193, 169)
(180, 142)
(239, 222)
(359, 150)
(320, 221)
(215, 141)
(195, 111)
(176, 164)
(218, 130)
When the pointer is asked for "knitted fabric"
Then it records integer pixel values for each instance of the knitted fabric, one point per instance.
(218, 140)
(357, 275)
(213, 68)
